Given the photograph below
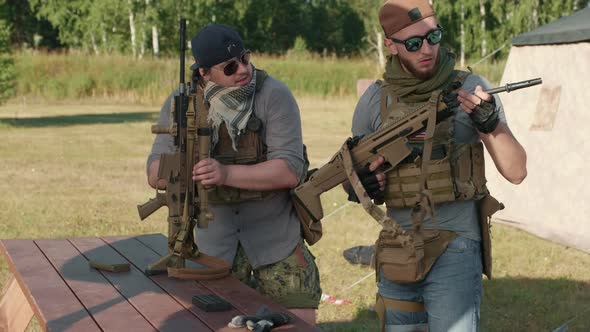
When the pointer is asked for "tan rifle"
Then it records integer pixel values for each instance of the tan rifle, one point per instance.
(389, 142)
(186, 200)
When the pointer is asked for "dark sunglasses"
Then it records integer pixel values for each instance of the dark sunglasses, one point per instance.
(232, 67)
(414, 43)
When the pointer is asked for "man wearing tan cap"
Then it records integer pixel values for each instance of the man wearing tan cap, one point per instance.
(438, 288)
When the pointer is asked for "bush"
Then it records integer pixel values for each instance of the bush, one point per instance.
(299, 50)
(7, 73)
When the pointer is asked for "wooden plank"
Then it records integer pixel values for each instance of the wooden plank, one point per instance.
(15, 311)
(249, 300)
(44, 287)
(154, 242)
(162, 311)
(242, 297)
(108, 307)
(182, 290)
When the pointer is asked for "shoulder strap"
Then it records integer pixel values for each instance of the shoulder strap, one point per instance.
(385, 109)
(461, 76)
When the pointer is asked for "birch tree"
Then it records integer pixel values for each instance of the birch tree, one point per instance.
(368, 10)
(94, 45)
(155, 43)
(132, 28)
(462, 63)
(151, 19)
(482, 14)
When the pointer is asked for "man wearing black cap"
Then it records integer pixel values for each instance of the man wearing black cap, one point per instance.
(434, 284)
(257, 157)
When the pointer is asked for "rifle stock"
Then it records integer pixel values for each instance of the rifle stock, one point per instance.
(389, 142)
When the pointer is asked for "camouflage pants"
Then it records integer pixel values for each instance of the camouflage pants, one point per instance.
(294, 282)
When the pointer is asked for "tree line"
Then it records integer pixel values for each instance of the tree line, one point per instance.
(140, 28)
(341, 27)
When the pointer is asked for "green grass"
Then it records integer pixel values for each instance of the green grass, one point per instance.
(79, 170)
(120, 79)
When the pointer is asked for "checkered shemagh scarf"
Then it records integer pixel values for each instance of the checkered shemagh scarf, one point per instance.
(230, 105)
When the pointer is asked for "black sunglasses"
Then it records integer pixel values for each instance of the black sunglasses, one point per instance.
(414, 43)
(232, 67)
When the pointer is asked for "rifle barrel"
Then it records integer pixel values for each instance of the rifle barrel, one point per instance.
(180, 101)
(182, 49)
(515, 86)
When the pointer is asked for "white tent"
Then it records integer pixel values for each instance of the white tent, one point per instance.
(552, 122)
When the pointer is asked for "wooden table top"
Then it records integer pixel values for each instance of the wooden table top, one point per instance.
(66, 294)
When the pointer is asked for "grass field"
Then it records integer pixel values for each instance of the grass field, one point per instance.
(119, 79)
(79, 170)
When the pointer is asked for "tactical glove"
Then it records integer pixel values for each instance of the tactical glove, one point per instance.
(450, 99)
(485, 117)
(268, 322)
(264, 320)
(370, 183)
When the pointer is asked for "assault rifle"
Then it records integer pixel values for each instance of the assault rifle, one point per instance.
(391, 142)
(186, 201)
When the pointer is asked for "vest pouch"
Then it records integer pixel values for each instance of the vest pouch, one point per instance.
(487, 207)
(404, 265)
(228, 195)
(403, 184)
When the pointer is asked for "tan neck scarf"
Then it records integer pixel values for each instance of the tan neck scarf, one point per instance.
(413, 90)
(232, 106)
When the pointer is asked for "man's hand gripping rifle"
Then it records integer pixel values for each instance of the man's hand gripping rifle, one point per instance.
(389, 142)
(186, 200)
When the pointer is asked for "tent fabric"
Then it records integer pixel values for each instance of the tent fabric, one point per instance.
(552, 122)
(569, 29)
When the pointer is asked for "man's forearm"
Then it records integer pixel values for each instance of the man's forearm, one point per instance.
(507, 153)
(268, 175)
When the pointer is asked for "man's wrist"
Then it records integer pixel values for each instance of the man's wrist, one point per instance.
(485, 116)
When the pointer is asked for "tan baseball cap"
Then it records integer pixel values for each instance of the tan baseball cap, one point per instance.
(395, 15)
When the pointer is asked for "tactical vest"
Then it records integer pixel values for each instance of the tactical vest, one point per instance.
(250, 150)
(456, 171)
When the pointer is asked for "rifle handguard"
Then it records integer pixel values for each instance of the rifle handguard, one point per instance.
(172, 130)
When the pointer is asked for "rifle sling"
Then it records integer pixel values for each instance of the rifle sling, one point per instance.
(425, 203)
(381, 217)
(203, 152)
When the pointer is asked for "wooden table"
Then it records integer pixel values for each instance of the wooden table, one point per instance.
(53, 280)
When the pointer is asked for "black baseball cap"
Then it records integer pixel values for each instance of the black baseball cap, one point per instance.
(215, 43)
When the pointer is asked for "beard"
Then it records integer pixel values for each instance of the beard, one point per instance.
(421, 74)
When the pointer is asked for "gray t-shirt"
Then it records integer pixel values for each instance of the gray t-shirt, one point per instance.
(459, 216)
(268, 229)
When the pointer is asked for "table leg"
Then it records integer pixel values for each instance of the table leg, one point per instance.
(15, 310)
